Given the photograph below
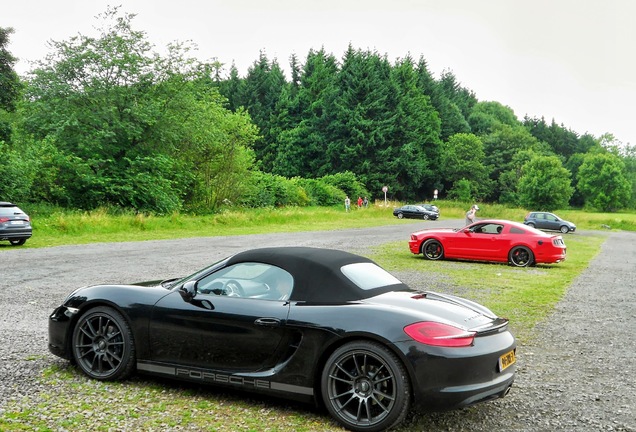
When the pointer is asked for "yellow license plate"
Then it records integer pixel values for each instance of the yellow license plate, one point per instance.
(508, 359)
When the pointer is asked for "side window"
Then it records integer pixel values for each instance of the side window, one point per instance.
(248, 280)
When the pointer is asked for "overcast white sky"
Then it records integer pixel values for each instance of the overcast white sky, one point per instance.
(573, 61)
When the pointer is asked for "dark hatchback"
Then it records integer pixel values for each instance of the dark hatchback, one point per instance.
(15, 225)
(548, 221)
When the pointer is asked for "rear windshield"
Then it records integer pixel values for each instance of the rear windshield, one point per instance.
(10, 211)
(368, 276)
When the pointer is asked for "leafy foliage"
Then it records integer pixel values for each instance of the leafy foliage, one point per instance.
(106, 121)
(545, 184)
(602, 182)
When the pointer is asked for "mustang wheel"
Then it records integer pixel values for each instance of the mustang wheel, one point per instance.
(103, 345)
(365, 387)
(520, 256)
(564, 229)
(432, 249)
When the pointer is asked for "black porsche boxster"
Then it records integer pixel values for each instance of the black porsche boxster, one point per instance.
(318, 325)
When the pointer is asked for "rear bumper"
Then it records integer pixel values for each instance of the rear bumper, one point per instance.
(449, 378)
(16, 233)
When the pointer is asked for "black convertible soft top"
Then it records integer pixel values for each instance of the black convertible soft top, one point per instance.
(316, 272)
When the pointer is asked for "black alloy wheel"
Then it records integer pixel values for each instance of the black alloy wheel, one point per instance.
(365, 387)
(103, 345)
(520, 256)
(432, 249)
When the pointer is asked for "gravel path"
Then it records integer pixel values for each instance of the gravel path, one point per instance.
(578, 374)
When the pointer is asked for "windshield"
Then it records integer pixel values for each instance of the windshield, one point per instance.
(171, 283)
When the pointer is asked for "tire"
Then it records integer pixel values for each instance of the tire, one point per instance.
(103, 345)
(18, 242)
(400, 215)
(520, 256)
(531, 225)
(425, 217)
(365, 387)
(432, 250)
(564, 229)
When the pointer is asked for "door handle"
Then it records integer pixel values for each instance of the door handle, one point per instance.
(270, 322)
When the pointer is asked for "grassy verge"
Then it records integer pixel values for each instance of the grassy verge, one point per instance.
(99, 226)
(526, 296)
(54, 228)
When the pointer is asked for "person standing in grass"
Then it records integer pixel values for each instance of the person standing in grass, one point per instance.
(347, 204)
(470, 214)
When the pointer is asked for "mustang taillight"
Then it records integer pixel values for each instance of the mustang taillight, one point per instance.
(438, 334)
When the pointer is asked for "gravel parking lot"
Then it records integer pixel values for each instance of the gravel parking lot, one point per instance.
(577, 374)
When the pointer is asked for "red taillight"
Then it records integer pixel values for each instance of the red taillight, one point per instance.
(3, 220)
(438, 334)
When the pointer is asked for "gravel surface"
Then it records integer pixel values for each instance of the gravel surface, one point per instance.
(577, 374)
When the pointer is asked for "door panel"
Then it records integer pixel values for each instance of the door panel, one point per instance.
(217, 332)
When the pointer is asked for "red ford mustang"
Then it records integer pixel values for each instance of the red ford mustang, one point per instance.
(490, 240)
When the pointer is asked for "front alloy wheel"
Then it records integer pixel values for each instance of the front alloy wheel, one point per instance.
(103, 345)
(564, 229)
(520, 256)
(400, 215)
(365, 387)
(432, 249)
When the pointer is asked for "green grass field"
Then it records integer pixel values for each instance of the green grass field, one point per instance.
(53, 227)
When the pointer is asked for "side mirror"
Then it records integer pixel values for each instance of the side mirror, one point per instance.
(188, 290)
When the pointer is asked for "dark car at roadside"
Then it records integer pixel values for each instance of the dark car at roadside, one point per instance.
(548, 221)
(415, 212)
(15, 225)
(429, 207)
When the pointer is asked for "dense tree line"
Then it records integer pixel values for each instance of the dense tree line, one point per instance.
(106, 121)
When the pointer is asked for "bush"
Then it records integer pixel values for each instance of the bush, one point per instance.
(269, 190)
(321, 193)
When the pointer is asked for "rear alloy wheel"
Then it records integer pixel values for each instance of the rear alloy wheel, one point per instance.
(531, 225)
(520, 256)
(365, 387)
(103, 345)
(564, 229)
(432, 249)
(19, 242)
